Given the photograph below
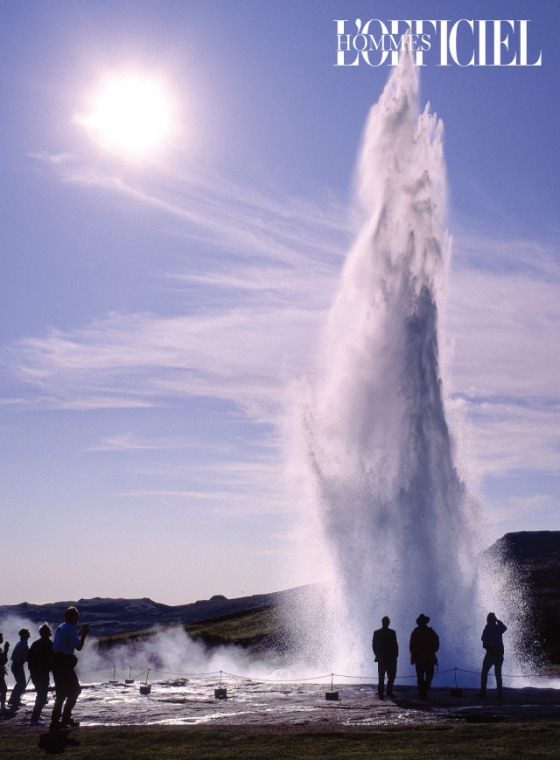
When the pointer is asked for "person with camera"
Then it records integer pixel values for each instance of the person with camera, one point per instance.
(493, 644)
(67, 687)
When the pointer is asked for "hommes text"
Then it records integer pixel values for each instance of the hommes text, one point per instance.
(466, 42)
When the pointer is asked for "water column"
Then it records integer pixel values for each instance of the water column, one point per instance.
(397, 523)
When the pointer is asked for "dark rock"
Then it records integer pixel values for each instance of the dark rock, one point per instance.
(535, 558)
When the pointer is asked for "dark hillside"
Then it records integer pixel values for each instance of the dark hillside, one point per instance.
(258, 622)
(259, 630)
(111, 617)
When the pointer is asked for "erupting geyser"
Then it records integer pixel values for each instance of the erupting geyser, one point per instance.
(398, 525)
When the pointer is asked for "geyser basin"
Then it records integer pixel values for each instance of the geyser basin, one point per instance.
(253, 703)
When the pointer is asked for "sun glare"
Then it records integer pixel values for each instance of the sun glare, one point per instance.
(130, 115)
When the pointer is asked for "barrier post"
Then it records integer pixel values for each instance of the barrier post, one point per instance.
(332, 695)
(146, 688)
(220, 693)
(130, 679)
(456, 692)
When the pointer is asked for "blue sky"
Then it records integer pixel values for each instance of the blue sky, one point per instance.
(156, 313)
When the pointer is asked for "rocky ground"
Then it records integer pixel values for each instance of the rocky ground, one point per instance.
(252, 703)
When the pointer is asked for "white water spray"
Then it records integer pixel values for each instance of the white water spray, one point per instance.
(399, 528)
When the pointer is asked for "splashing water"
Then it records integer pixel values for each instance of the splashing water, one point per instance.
(398, 524)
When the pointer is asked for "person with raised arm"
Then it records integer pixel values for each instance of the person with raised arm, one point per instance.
(494, 657)
(67, 687)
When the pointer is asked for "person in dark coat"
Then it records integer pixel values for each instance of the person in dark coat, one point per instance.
(39, 662)
(19, 658)
(3, 672)
(424, 643)
(492, 642)
(386, 651)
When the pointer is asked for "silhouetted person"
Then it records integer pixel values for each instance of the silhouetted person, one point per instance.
(39, 662)
(19, 658)
(424, 643)
(67, 686)
(492, 642)
(3, 672)
(386, 651)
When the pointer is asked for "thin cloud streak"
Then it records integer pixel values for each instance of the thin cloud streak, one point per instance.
(519, 507)
(216, 211)
(501, 320)
(244, 356)
(506, 329)
(132, 442)
(502, 326)
(510, 438)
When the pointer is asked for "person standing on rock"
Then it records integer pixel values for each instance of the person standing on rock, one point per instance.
(39, 662)
(67, 686)
(492, 642)
(424, 643)
(386, 651)
(19, 658)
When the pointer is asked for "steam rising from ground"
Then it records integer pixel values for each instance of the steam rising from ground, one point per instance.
(170, 652)
(398, 526)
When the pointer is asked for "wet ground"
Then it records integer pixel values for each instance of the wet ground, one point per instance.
(248, 703)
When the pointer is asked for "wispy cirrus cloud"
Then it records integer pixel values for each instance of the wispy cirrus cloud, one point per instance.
(279, 269)
(133, 442)
(226, 488)
(244, 356)
(520, 507)
(516, 437)
(508, 327)
(261, 223)
(503, 327)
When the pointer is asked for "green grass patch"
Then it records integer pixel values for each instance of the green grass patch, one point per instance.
(241, 628)
(465, 742)
(253, 628)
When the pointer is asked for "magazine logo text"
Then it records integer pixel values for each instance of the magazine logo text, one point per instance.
(466, 42)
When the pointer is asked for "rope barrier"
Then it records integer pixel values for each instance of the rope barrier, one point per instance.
(277, 680)
(107, 670)
(370, 678)
(522, 675)
(185, 675)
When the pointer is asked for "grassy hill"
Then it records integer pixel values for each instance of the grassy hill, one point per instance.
(259, 629)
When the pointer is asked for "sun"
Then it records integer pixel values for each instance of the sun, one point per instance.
(130, 115)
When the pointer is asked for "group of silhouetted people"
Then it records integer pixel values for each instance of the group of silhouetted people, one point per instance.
(423, 646)
(42, 657)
